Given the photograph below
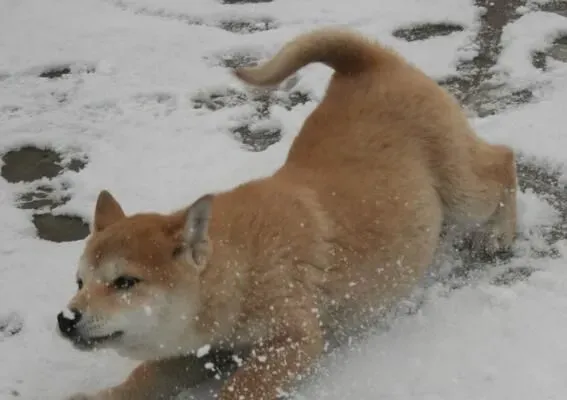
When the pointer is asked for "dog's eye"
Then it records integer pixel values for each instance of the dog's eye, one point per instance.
(80, 283)
(125, 282)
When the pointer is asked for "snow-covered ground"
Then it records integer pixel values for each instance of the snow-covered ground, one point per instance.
(133, 118)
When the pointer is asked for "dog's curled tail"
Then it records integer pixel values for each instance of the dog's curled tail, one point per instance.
(345, 51)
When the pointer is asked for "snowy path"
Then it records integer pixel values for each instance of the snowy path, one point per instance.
(134, 96)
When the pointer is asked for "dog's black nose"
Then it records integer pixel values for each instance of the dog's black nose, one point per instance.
(68, 326)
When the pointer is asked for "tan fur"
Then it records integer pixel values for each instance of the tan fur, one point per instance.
(340, 232)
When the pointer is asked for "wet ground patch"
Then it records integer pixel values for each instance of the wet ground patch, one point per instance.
(544, 181)
(60, 71)
(29, 164)
(215, 100)
(557, 51)
(10, 324)
(471, 87)
(485, 99)
(555, 6)
(238, 59)
(42, 198)
(245, 1)
(426, 31)
(495, 99)
(245, 26)
(157, 13)
(254, 136)
(60, 228)
(262, 134)
(513, 275)
(55, 73)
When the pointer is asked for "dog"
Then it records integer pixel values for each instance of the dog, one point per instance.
(347, 227)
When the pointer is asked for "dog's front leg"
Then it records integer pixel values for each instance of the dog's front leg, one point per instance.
(272, 366)
(158, 380)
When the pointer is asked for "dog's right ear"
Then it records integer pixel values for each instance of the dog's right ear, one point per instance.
(107, 211)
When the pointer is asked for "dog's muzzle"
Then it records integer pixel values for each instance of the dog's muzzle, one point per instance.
(69, 330)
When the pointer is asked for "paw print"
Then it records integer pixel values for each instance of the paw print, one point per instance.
(259, 131)
(30, 164)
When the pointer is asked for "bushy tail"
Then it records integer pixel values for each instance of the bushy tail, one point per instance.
(346, 51)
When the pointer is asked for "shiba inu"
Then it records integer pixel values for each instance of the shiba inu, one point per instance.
(344, 229)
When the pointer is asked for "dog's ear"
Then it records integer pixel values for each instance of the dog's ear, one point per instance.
(107, 211)
(195, 230)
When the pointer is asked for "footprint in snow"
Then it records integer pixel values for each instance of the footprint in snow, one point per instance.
(10, 324)
(258, 131)
(30, 164)
(557, 51)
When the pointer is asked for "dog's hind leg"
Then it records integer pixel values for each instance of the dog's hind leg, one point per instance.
(481, 194)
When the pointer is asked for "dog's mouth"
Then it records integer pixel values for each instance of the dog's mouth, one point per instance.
(93, 342)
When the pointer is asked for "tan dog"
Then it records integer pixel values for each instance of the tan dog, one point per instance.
(348, 225)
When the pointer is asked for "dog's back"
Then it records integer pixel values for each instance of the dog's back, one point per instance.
(363, 151)
(391, 156)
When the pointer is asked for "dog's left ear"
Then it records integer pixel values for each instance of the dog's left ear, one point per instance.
(196, 230)
(107, 211)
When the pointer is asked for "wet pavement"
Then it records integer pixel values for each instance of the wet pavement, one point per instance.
(32, 164)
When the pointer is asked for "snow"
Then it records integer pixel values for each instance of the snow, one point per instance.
(68, 313)
(134, 121)
(203, 351)
(148, 310)
(531, 32)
